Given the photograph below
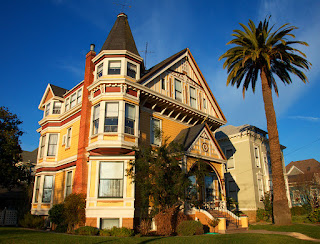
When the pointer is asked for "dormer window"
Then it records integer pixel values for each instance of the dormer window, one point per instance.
(100, 70)
(47, 109)
(56, 108)
(114, 68)
(131, 70)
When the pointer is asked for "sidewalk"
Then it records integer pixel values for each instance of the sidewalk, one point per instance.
(292, 234)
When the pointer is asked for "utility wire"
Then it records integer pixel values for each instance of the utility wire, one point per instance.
(302, 147)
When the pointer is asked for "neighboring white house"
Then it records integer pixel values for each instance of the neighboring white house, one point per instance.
(248, 170)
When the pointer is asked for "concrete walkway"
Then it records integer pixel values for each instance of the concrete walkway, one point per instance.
(292, 234)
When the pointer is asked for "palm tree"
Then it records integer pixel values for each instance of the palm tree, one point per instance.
(258, 50)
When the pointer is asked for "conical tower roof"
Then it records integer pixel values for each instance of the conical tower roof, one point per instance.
(120, 36)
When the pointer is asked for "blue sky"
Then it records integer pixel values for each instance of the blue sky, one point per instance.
(45, 41)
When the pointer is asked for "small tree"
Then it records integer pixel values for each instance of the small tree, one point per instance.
(74, 210)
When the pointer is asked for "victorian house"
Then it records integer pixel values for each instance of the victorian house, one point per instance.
(87, 132)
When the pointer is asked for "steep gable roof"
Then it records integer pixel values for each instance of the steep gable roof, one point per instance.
(58, 91)
(306, 166)
(52, 91)
(120, 36)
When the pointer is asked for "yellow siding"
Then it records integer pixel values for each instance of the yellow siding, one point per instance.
(59, 187)
(34, 205)
(45, 206)
(93, 178)
(91, 204)
(50, 159)
(129, 184)
(64, 153)
(110, 138)
(129, 138)
(128, 204)
(94, 139)
(109, 204)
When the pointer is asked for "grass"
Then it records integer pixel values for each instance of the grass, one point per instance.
(307, 229)
(299, 219)
(19, 235)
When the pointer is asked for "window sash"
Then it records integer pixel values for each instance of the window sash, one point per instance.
(68, 138)
(193, 97)
(163, 84)
(47, 188)
(129, 119)
(79, 96)
(131, 70)
(95, 122)
(52, 145)
(111, 179)
(111, 118)
(56, 108)
(178, 90)
(73, 100)
(69, 183)
(109, 223)
(42, 147)
(47, 109)
(155, 125)
(67, 105)
(36, 197)
(100, 70)
(114, 68)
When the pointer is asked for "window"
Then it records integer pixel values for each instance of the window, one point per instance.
(69, 183)
(52, 145)
(256, 156)
(163, 84)
(114, 68)
(204, 103)
(47, 188)
(37, 189)
(79, 96)
(260, 189)
(68, 138)
(67, 105)
(111, 179)
(111, 119)
(229, 155)
(232, 189)
(155, 132)
(130, 119)
(100, 70)
(47, 109)
(73, 101)
(193, 97)
(56, 108)
(178, 90)
(109, 223)
(95, 123)
(131, 70)
(42, 146)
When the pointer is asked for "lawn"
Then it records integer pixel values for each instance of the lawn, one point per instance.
(307, 229)
(19, 235)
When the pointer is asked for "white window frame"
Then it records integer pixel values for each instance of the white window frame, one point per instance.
(109, 68)
(132, 130)
(105, 117)
(129, 69)
(256, 153)
(100, 70)
(79, 96)
(54, 145)
(37, 189)
(193, 100)
(101, 219)
(176, 91)
(153, 139)
(68, 137)
(95, 120)
(121, 183)
(47, 111)
(73, 100)
(43, 189)
(230, 158)
(66, 183)
(67, 104)
(42, 145)
(55, 109)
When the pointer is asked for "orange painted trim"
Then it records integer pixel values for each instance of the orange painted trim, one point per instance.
(132, 92)
(97, 93)
(61, 123)
(56, 168)
(113, 89)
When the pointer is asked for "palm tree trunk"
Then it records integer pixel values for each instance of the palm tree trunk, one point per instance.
(281, 211)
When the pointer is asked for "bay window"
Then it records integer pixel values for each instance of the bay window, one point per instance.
(111, 117)
(47, 188)
(129, 119)
(52, 145)
(111, 179)
(100, 70)
(95, 122)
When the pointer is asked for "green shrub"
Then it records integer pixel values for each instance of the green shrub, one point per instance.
(105, 232)
(190, 228)
(74, 206)
(263, 215)
(56, 214)
(314, 216)
(32, 221)
(121, 232)
(300, 210)
(87, 231)
(62, 228)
